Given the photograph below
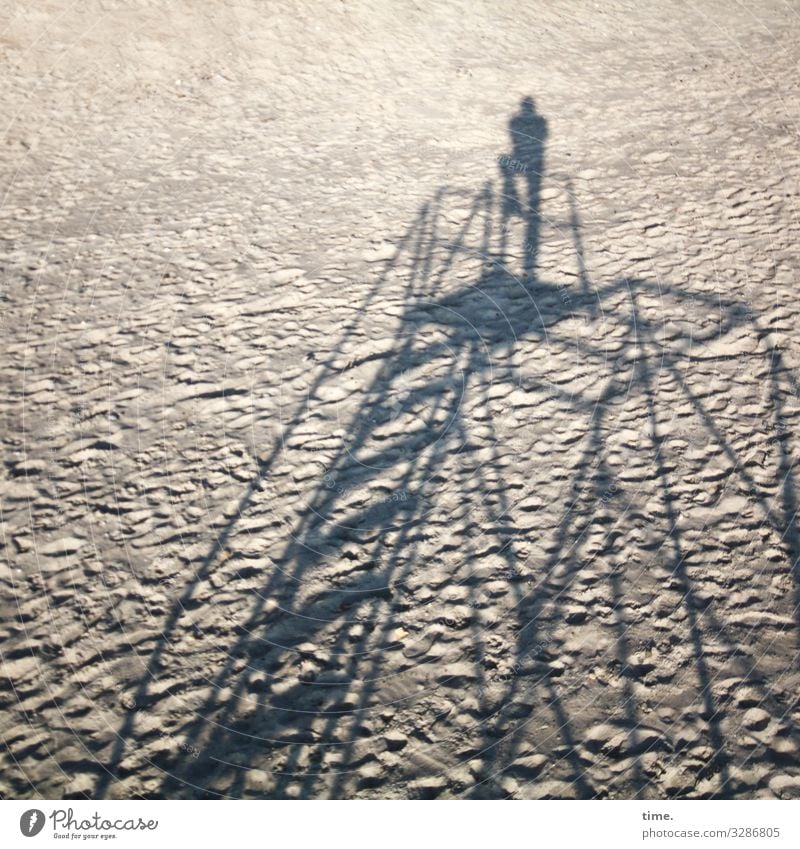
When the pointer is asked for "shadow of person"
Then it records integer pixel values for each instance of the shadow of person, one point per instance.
(521, 172)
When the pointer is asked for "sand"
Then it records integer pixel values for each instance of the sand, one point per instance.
(399, 400)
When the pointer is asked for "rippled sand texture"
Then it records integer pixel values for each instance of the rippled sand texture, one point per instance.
(400, 400)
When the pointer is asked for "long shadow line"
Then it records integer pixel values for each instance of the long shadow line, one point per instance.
(328, 496)
(264, 466)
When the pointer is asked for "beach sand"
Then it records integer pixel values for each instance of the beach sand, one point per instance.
(400, 400)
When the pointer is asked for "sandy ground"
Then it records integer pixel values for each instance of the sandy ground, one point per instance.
(400, 400)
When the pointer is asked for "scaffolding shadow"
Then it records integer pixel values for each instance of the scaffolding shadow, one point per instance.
(417, 484)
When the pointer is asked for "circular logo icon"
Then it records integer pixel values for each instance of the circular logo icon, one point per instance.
(31, 822)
